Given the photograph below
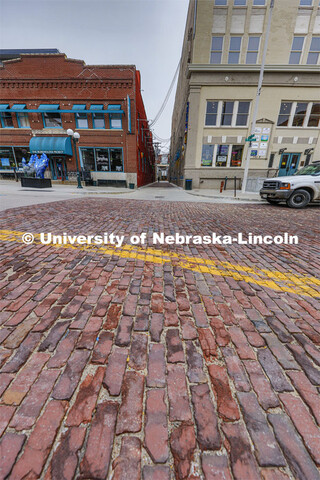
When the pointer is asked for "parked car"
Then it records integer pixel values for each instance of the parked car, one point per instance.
(296, 190)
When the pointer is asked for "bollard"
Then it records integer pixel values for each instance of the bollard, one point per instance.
(221, 186)
(235, 186)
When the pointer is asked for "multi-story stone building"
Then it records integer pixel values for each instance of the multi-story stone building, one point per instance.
(217, 86)
(43, 94)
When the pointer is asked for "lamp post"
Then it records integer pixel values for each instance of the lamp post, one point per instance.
(75, 138)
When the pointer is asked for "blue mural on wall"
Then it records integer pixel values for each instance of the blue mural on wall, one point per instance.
(36, 166)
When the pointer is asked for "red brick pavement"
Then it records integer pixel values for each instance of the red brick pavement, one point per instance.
(122, 368)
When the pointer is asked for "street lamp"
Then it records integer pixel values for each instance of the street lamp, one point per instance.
(75, 138)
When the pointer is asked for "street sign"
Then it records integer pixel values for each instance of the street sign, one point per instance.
(251, 138)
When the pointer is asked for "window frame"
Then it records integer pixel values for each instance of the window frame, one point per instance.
(235, 113)
(2, 115)
(253, 51)
(95, 159)
(314, 37)
(215, 155)
(216, 51)
(292, 114)
(26, 115)
(234, 51)
(94, 123)
(77, 120)
(48, 113)
(292, 52)
(110, 120)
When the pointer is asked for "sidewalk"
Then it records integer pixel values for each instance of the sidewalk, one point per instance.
(226, 194)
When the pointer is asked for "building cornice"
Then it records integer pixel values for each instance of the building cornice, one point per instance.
(65, 83)
(198, 67)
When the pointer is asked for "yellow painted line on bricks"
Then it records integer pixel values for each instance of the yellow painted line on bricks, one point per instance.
(278, 281)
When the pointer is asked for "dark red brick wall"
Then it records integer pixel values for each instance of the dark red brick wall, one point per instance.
(37, 79)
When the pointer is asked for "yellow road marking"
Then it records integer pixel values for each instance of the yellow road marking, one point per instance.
(279, 281)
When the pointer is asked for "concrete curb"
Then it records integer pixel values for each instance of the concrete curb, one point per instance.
(222, 197)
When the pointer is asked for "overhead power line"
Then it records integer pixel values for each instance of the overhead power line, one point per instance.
(166, 97)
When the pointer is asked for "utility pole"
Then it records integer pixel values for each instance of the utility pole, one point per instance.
(257, 100)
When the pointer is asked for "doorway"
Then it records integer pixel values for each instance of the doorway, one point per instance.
(58, 167)
(289, 163)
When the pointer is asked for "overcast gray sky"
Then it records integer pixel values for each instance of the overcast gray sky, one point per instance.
(146, 33)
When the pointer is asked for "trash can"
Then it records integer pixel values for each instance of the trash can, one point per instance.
(188, 184)
(131, 186)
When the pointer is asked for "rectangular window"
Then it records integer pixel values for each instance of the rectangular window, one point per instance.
(207, 155)
(116, 161)
(234, 50)
(6, 120)
(211, 115)
(313, 56)
(259, 2)
(284, 115)
(300, 114)
(222, 155)
(7, 161)
(98, 120)
(240, 3)
(236, 156)
(305, 3)
(87, 155)
(253, 50)
(227, 112)
(242, 115)
(23, 120)
(296, 50)
(314, 115)
(220, 2)
(115, 121)
(52, 120)
(81, 120)
(102, 159)
(216, 50)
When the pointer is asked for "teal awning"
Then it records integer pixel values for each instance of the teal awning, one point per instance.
(4, 106)
(96, 107)
(55, 145)
(48, 107)
(114, 107)
(79, 107)
(18, 106)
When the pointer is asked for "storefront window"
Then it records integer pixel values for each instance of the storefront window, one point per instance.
(6, 120)
(207, 155)
(116, 162)
(102, 159)
(52, 120)
(236, 156)
(87, 155)
(23, 120)
(7, 161)
(222, 155)
(20, 153)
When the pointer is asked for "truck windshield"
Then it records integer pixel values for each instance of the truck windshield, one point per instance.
(309, 170)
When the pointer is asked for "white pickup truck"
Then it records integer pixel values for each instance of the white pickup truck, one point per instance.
(297, 190)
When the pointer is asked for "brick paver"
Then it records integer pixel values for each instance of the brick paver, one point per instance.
(166, 362)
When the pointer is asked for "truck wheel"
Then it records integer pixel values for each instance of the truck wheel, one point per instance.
(299, 199)
(273, 202)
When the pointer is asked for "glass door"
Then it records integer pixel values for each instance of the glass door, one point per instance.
(289, 163)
